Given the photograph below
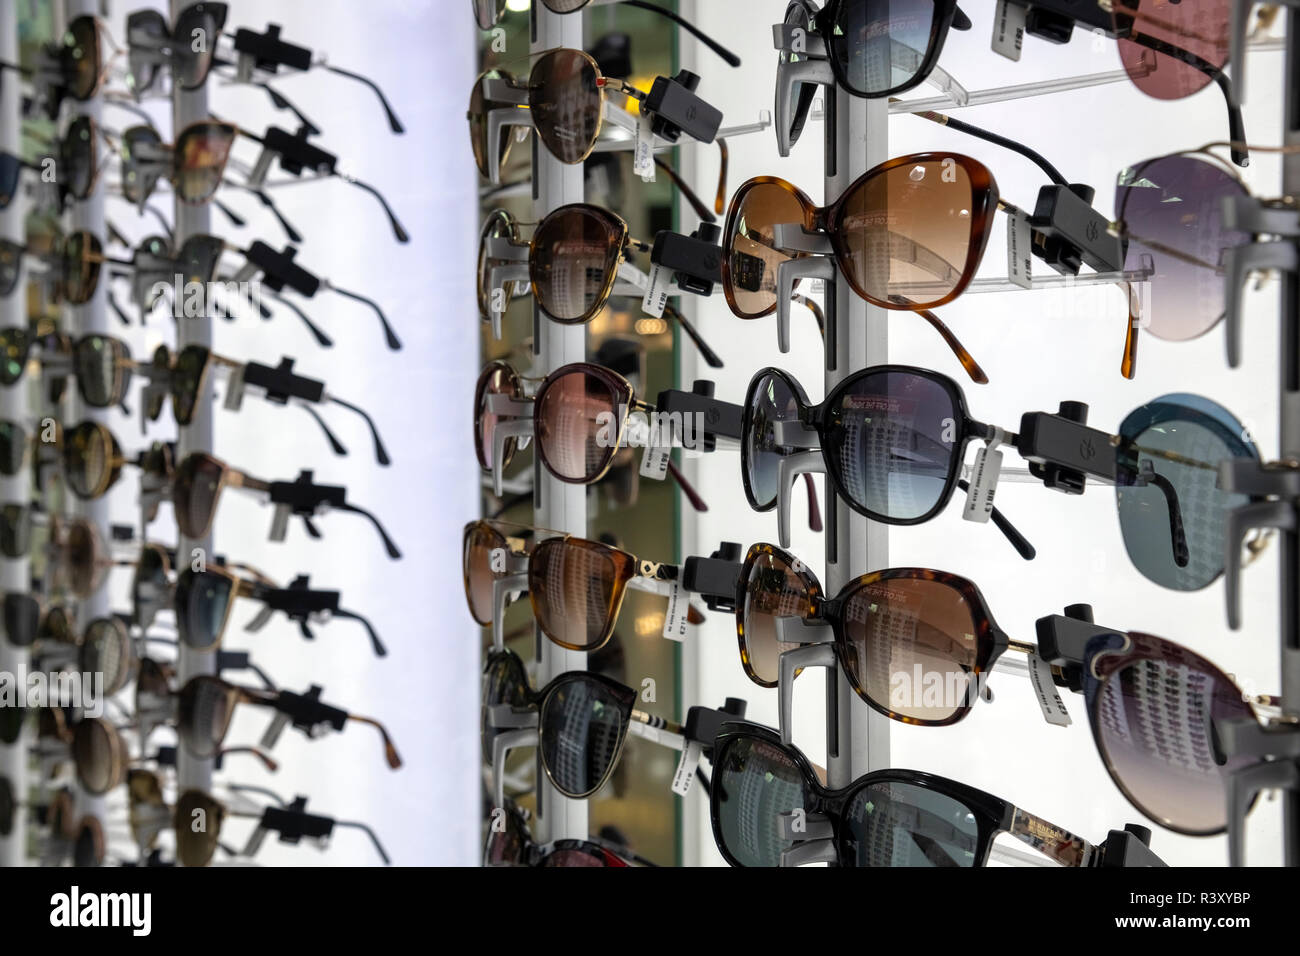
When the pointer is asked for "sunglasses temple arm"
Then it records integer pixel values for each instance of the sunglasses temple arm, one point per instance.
(716, 47)
(724, 158)
(324, 340)
(398, 230)
(390, 751)
(814, 509)
(709, 356)
(113, 304)
(972, 367)
(379, 847)
(389, 546)
(230, 214)
(375, 642)
(688, 489)
(381, 453)
(281, 102)
(697, 204)
(266, 759)
(1018, 540)
(815, 309)
(338, 447)
(260, 791)
(1050, 840)
(393, 122)
(293, 234)
(394, 343)
(1036, 158)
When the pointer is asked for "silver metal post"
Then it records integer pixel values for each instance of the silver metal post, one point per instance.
(557, 505)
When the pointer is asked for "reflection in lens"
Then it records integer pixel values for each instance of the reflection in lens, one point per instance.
(88, 459)
(202, 605)
(194, 493)
(754, 784)
(96, 360)
(880, 44)
(200, 160)
(772, 590)
(565, 102)
(582, 729)
(771, 400)
(78, 149)
(1172, 211)
(195, 845)
(575, 857)
(98, 754)
(479, 107)
(901, 824)
(577, 424)
(203, 715)
(504, 682)
(481, 542)
(186, 380)
(574, 255)
(573, 585)
(497, 379)
(750, 257)
(1167, 476)
(891, 438)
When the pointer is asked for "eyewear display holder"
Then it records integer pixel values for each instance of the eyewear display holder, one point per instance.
(15, 574)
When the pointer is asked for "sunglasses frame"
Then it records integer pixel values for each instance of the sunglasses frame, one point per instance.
(824, 20)
(619, 238)
(624, 396)
(113, 462)
(239, 588)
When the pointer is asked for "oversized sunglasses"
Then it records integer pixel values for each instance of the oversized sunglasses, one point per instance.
(886, 818)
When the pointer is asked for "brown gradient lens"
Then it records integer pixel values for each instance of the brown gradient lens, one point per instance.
(106, 649)
(499, 225)
(576, 587)
(905, 233)
(204, 710)
(497, 379)
(911, 647)
(198, 827)
(199, 160)
(573, 261)
(99, 755)
(772, 590)
(80, 565)
(89, 459)
(481, 541)
(1159, 37)
(749, 257)
(195, 491)
(479, 107)
(82, 255)
(576, 419)
(564, 97)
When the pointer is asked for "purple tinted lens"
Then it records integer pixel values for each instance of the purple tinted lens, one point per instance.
(891, 438)
(1172, 211)
(569, 858)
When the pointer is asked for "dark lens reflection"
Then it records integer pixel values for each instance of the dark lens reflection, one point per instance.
(755, 783)
(901, 824)
(582, 728)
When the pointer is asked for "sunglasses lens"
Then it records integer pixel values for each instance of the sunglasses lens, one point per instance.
(1172, 208)
(577, 857)
(880, 44)
(11, 255)
(576, 418)
(17, 346)
(497, 379)
(754, 784)
(907, 232)
(504, 682)
(565, 103)
(22, 618)
(8, 807)
(146, 30)
(96, 359)
(149, 587)
(202, 31)
(186, 375)
(201, 154)
(574, 254)
(80, 265)
(772, 591)
(771, 400)
(78, 154)
(1155, 728)
(481, 544)
(892, 441)
(801, 94)
(479, 107)
(198, 827)
(1172, 512)
(912, 647)
(10, 169)
(488, 12)
(15, 530)
(139, 144)
(11, 724)
(901, 824)
(203, 715)
(56, 627)
(97, 753)
(1199, 29)
(87, 459)
(506, 846)
(202, 602)
(88, 848)
(497, 227)
(573, 585)
(81, 46)
(194, 493)
(582, 728)
(106, 650)
(80, 559)
(749, 246)
(13, 448)
(564, 6)
(154, 397)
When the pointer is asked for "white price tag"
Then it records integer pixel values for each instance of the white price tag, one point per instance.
(983, 484)
(675, 617)
(1040, 673)
(656, 293)
(1019, 249)
(686, 766)
(643, 158)
(654, 460)
(235, 389)
(1009, 29)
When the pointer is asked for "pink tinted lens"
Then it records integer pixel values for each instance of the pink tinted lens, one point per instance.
(1172, 49)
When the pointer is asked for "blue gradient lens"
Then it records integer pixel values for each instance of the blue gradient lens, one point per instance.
(881, 44)
(901, 824)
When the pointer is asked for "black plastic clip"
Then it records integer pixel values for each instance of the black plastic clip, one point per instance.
(1063, 641)
(306, 711)
(703, 723)
(279, 269)
(716, 577)
(1250, 215)
(292, 822)
(268, 52)
(1274, 489)
(1063, 451)
(281, 384)
(1054, 20)
(296, 154)
(1130, 847)
(1069, 233)
(695, 260)
(304, 497)
(676, 109)
(719, 419)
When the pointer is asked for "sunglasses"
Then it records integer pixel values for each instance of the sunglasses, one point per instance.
(101, 364)
(206, 706)
(72, 67)
(27, 621)
(74, 264)
(583, 721)
(15, 444)
(512, 845)
(15, 530)
(576, 586)
(99, 755)
(884, 818)
(77, 557)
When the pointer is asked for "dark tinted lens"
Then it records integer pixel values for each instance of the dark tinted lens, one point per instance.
(15, 530)
(10, 169)
(572, 857)
(97, 753)
(13, 448)
(96, 360)
(81, 57)
(576, 420)
(574, 255)
(479, 107)
(772, 591)
(88, 459)
(146, 31)
(480, 544)
(106, 649)
(139, 144)
(1154, 722)
(16, 344)
(771, 400)
(195, 490)
(198, 31)
(200, 160)
(892, 439)
(78, 155)
(186, 378)
(11, 724)
(801, 94)
(156, 394)
(11, 254)
(565, 103)
(8, 807)
(80, 265)
(56, 626)
(506, 844)
(879, 44)
(1172, 511)
(1172, 210)
(22, 617)
(80, 559)
(504, 682)
(497, 379)
(149, 586)
(575, 584)
(901, 824)
(582, 728)
(88, 848)
(203, 715)
(912, 647)
(198, 827)
(488, 12)
(754, 784)
(1172, 49)
(202, 603)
